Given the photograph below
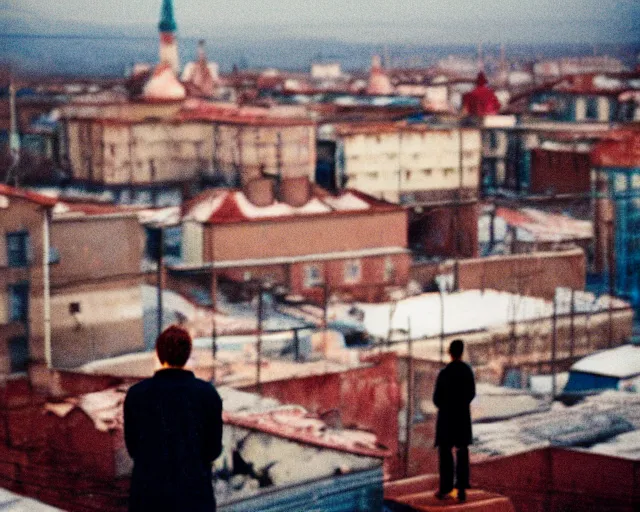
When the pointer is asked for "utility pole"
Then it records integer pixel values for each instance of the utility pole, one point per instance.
(159, 276)
(572, 332)
(410, 378)
(611, 268)
(554, 320)
(214, 342)
(259, 342)
(441, 327)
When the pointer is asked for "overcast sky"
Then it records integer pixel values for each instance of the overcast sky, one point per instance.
(424, 21)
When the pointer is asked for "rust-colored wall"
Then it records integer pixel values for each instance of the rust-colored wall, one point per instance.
(366, 398)
(447, 231)
(536, 274)
(563, 172)
(305, 235)
(558, 480)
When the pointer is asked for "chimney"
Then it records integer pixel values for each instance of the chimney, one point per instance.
(259, 191)
(295, 191)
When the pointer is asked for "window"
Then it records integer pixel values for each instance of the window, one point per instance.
(427, 172)
(448, 170)
(352, 271)
(74, 308)
(18, 249)
(407, 175)
(19, 302)
(312, 276)
(54, 255)
(592, 108)
(372, 175)
(19, 353)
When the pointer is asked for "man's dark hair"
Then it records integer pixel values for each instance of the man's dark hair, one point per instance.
(173, 346)
(456, 348)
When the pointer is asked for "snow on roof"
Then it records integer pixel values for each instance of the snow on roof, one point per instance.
(168, 216)
(234, 206)
(597, 417)
(543, 226)
(294, 422)
(346, 201)
(483, 310)
(621, 362)
(163, 85)
(8, 192)
(104, 407)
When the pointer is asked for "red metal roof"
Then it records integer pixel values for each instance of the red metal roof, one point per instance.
(621, 150)
(28, 195)
(228, 206)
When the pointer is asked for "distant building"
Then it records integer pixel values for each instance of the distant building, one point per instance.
(326, 70)
(25, 219)
(616, 164)
(201, 77)
(168, 44)
(150, 145)
(587, 98)
(96, 295)
(379, 83)
(297, 236)
(546, 70)
(433, 169)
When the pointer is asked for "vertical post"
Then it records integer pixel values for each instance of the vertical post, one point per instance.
(46, 287)
(554, 320)
(610, 268)
(441, 326)
(410, 378)
(159, 277)
(259, 342)
(572, 324)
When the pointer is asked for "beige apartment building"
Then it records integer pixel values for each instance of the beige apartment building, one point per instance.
(142, 143)
(409, 163)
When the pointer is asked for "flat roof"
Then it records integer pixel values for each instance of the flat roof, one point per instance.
(620, 362)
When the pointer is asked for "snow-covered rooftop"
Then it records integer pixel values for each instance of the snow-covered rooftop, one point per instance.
(216, 206)
(622, 362)
(467, 311)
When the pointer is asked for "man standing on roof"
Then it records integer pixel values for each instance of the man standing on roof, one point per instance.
(455, 388)
(173, 432)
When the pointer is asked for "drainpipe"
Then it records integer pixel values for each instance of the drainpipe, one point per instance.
(46, 287)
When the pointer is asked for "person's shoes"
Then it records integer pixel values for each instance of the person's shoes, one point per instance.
(462, 495)
(442, 495)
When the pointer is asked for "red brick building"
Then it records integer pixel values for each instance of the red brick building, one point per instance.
(299, 236)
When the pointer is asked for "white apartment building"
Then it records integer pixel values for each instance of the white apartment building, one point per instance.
(408, 163)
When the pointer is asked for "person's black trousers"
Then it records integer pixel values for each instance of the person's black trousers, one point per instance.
(446, 468)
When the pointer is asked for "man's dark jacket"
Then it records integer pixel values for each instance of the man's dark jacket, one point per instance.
(173, 432)
(455, 388)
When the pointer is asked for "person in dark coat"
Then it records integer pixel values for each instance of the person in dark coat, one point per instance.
(173, 432)
(455, 388)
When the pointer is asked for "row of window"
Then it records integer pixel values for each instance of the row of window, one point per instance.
(410, 174)
(351, 273)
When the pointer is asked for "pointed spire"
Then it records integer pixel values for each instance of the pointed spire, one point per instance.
(167, 21)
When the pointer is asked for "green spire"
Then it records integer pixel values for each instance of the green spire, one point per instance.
(167, 21)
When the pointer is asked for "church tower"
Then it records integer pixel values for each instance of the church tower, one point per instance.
(168, 45)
